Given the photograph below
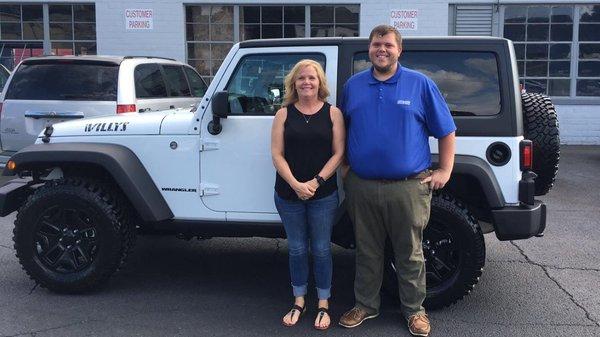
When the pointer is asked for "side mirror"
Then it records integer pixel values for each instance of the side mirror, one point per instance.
(220, 109)
(220, 104)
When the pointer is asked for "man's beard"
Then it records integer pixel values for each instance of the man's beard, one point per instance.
(383, 70)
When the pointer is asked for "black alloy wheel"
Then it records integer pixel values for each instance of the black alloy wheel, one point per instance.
(72, 234)
(66, 239)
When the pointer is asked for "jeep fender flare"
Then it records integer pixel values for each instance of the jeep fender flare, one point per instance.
(480, 170)
(119, 161)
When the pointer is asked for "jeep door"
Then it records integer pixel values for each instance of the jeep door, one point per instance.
(236, 170)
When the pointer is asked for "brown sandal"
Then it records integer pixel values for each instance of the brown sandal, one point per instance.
(321, 313)
(295, 308)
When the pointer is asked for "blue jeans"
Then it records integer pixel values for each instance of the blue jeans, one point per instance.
(312, 221)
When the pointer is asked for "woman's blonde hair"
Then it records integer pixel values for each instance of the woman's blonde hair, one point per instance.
(291, 95)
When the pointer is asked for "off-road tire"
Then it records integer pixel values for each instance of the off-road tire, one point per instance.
(101, 207)
(450, 220)
(541, 127)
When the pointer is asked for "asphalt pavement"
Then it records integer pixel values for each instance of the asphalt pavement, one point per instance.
(546, 286)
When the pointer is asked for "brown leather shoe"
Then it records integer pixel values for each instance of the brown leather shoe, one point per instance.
(354, 317)
(418, 325)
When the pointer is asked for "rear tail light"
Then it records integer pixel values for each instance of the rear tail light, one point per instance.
(526, 148)
(123, 108)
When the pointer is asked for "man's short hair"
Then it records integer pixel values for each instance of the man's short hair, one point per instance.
(382, 30)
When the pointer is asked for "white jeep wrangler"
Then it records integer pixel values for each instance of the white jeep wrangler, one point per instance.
(89, 184)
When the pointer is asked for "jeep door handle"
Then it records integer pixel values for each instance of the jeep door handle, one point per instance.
(54, 114)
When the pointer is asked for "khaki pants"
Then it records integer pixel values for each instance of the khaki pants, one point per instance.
(398, 209)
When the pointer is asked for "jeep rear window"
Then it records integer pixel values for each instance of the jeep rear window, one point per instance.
(468, 80)
(64, 81)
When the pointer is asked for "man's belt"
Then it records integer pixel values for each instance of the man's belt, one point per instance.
(420, 175)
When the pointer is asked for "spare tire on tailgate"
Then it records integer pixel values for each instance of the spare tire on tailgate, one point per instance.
(541, 127)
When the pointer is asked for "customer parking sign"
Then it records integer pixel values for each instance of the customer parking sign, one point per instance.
(404, 19)
(139, 19)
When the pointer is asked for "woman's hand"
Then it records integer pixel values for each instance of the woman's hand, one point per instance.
(313, 183)
(304, 190)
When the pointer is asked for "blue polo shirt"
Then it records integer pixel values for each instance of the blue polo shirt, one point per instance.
(389, 123)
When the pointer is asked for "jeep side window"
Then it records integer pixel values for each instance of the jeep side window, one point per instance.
(257, 85)
(196, 82)
(178, 86)
(149, 82)
(468, 80)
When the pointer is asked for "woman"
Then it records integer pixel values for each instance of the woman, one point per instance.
(307, 145)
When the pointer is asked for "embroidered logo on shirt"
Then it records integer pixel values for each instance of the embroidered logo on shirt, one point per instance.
(403, 102)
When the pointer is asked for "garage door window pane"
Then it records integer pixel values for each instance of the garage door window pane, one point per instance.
(290, 31)
(590, 13)
(85, 31)
(515, 14)
(10, 31)
(321, 14)
(61, 31)
(272, 31)
(537, 52)
(84, 13)
(346, 14)
(560, 69)
(33, 31)
(537, 14)
(589, 69)
(560, 51)
(346, 30)
(559, 87)
(61, 13)
(538, 32)
(588, 88)
(589, 51)
(536, 69)
(293, 14)
(272, 14)
(562, 14)
(561, 32)
(33, 13)
(514, 32)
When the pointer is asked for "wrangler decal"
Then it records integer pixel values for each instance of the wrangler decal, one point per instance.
(178, 189)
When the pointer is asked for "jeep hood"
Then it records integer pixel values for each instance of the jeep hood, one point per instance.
(148, 123)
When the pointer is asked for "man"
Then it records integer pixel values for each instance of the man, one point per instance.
(390, 112)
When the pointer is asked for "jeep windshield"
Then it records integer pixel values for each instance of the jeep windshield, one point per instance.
(71, 81)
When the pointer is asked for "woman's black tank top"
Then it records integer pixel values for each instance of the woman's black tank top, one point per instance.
(307, 147)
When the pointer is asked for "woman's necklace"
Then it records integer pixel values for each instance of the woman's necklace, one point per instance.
(304, 115)
(306, 119)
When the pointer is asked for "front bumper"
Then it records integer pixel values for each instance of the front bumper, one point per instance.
(520, 222)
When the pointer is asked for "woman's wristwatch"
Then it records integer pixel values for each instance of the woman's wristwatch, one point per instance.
(320, 180)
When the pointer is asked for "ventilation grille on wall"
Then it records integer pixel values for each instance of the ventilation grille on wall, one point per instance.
(474, 20)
